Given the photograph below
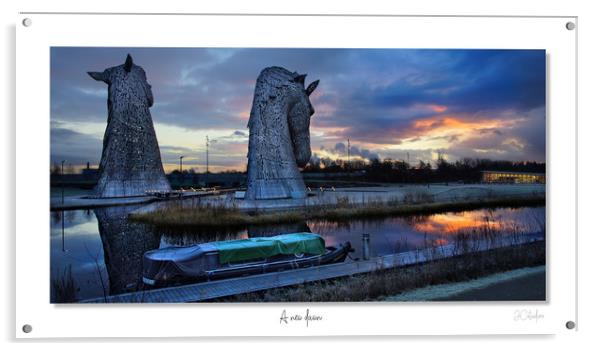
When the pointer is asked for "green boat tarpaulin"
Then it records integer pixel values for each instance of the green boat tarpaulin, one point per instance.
(264, 247)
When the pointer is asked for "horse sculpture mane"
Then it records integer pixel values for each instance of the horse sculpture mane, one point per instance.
(279, 135)
(131, 162)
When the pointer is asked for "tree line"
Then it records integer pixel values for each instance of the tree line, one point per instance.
(388, 170)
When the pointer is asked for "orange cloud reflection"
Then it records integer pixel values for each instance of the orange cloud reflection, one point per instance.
(451, 223)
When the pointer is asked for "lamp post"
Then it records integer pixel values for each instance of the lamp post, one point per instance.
(181, 157)
(207, 153)
(62, 182)
(348, 158)
(63, 229)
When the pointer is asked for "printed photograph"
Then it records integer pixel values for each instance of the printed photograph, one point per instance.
(184, 175)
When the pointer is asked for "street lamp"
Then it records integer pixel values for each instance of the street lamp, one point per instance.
(207, 151)
(62, 182)
(181, 174)
(63, 228)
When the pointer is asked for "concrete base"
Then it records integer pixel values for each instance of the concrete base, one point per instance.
(84, 202)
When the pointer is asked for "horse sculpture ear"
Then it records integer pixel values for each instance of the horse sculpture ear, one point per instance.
(99, 76)
(310, 89)
(300, 78)
(128, 63)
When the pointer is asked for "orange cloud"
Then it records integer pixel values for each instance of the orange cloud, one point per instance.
(432, 124)
(437, 108)
(243, 115)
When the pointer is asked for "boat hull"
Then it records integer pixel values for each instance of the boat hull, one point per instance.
(169, 272)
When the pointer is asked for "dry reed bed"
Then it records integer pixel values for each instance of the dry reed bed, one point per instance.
(215, 215)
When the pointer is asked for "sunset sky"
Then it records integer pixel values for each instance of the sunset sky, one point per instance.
(388, 102)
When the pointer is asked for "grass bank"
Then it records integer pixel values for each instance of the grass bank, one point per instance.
(220, 216)
(524, 284)
(381, 284)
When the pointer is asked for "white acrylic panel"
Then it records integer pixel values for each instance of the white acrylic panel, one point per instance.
(33, 109)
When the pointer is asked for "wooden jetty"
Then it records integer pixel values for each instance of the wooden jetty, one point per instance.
(228, 287)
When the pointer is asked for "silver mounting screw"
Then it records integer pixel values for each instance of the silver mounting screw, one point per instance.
(27, 22)
(27, 328)
(570, 325)
(570, 25)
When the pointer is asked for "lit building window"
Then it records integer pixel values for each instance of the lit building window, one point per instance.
(513, 177)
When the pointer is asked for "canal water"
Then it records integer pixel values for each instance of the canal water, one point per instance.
(95, 253)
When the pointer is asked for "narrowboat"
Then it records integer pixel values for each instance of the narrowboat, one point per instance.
(228, 259)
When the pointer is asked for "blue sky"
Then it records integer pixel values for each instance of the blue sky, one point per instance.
(388, 102)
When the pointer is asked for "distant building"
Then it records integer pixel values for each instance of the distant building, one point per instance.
(513, 177)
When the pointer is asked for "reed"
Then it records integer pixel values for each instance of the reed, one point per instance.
(216, 215)
(208, 215)
(63, 288)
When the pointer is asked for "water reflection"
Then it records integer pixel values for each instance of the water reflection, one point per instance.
(104, 249)
(124, 242)
(271, 230)
(76, 248)
(184, 236)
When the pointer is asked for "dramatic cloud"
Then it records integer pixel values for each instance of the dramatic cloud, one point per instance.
(342, 151)
(388, 102)
(73, 147)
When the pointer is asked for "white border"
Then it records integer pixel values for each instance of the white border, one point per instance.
(32, 262)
